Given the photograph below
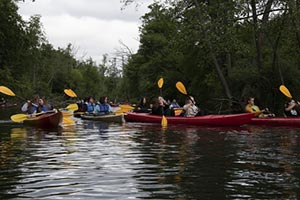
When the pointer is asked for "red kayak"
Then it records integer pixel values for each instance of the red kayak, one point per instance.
(207, 120)
(276, 121)
(47, 120)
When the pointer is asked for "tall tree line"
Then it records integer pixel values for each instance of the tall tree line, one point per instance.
(30, 65)
(223, 51)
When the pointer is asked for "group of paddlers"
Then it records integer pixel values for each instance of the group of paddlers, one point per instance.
(159, 107)
(167, 107)
(36, 105)
(291, 109)
(163, 107)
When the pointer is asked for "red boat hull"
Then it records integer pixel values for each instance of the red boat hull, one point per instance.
(207, 120)
(276, 121)
(48, 120)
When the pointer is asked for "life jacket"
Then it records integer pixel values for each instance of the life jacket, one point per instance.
(42, 108)
(32, 110)
(255, 108)
(90, 107)
(103, 108)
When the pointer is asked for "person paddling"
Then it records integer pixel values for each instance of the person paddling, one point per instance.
(103, 106)
(252, 108)
(190, 109)
(43, 106)
(90, 105)
(291, 108)
(161, 107)
(30, 107)
(143, 106)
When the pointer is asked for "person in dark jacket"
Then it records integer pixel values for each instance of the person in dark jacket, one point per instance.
(161, 107)
(143, 106)
(291, 108)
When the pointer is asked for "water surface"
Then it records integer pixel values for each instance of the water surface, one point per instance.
(95, 160)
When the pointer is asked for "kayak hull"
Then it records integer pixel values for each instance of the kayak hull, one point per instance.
(117, 118)
(47, 120)
(207, 120)
(276, 121)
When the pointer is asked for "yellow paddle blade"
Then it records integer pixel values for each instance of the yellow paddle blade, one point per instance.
(67, 118)
(73, 93)
(70, 93)
(72, 107)
(120, 111)
(164, 121)
(128, 107)
(68, 121)
(160, 82)
(19, 117)
(124, 109)
(178, 111)
(180, 87)
(67, 114)
(7, 91)
(285, 91)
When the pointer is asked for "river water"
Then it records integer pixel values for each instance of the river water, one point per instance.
(96, 160)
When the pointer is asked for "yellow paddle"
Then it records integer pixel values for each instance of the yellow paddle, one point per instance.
(66, 115)
(164, 121)
(68, 121)
(178, 111)
(124, 109)
(72, 107)
(285, 91)
(7, 91)
(181, 88)
(66, 118)
(160, 83)
(70, 93)
(21, 117)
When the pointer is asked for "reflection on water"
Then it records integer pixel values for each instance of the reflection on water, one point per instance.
(95, 160)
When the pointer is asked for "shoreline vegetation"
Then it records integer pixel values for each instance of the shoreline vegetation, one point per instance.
(223, 52)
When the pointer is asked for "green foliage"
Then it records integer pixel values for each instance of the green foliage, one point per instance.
(184, 41)
(177, 43)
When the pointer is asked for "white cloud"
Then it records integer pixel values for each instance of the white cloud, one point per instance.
(94, 27)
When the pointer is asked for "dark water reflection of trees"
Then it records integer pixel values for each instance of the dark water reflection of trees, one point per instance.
(173, 163)
(248, 163)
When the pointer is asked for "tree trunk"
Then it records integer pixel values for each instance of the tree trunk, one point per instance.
(258, 34)
(215, 61)
(294, 10)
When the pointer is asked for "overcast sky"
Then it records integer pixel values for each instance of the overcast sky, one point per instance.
(93, 27)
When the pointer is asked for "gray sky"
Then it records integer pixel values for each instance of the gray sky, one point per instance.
(93, 27)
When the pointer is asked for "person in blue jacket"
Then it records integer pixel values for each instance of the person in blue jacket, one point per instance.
(90, 108)
(42, 106)
(30, 107)
(103, 106)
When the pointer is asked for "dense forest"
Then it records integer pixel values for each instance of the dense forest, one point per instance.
(223, 51)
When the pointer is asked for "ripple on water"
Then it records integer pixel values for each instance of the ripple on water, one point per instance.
(95, 160)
